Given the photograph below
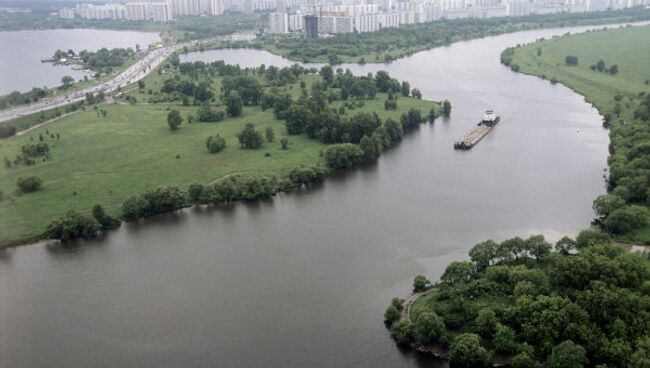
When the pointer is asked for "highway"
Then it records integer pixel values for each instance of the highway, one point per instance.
(132, 74)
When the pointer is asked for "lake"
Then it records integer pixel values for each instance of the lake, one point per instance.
(303, 280)
(21, 67)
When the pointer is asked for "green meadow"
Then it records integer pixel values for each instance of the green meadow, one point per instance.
(103, 159)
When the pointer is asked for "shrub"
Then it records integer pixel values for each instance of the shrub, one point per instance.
(339, 156)
(215, 143)
(29, 184)
(303, 174)
(105, 221)
(391, 315)
(249, 137)
(71, 226)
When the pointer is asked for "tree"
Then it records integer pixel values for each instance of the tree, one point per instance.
(486, 323)
(105, 221)
(600, 66)
(403, 332)
(571, 60)
(270, 134)
(406, 89)
(415, 93)
(466, 351)
(206, 113)
(504, 339)
(626, 219)
(605, 204)
(446, 108)
(394, 130)
(195, 192)
(428, 327)
(567, 355)
(28, 184)
(71, 226)
(613, 69)
(327, 74)
(411, 119)
(174, 119)
(483, 254)
(537, 246)
(390, 104)
(249, 137)
(66, 82)
(523, 360)
(296, 118)
(420, 283)
(391, 315)
(215, 143)
(141, 84)
(565, 245)
(284, 143)
(340, 156)
(234, 104)
(589, 237)
(369, 148)
(458, 272)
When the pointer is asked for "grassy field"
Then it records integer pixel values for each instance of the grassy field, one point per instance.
(615, 96)
(105, 159)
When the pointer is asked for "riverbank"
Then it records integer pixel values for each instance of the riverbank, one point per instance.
(391, 44)
(615, 78)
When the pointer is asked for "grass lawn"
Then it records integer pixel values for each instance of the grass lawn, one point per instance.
(628, 48)
(104, 160)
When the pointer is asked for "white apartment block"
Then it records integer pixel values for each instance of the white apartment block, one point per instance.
(296, 22)
(278, 23)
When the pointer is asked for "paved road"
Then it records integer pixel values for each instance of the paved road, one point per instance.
(132, 74)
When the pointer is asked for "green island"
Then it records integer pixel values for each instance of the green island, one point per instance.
(197, 133)
(525, 303)
(610, 68)
(582, 302)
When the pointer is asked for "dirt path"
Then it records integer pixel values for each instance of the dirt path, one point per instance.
(408, 302)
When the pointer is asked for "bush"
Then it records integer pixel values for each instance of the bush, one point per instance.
(571, 60)
(71, 226)
(303, 174)
(340, 156)
(165, 199)
(523, 360)
(105, 221)
(29, 184)
(403, 332)
(215, 143)
(207, 114)
(284, 143)
(249, 137)
(174, 119)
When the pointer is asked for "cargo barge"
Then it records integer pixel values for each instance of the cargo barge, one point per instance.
(469, 140)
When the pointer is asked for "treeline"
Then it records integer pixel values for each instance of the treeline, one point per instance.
(624, 209)
(585, 304)
(168, 199)
(391, 43)
(22, 98)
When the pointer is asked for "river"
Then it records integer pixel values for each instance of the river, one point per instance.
(21, 67)
(303, 280)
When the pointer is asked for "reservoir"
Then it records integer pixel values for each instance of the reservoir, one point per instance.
(303, 280)
(21, 67)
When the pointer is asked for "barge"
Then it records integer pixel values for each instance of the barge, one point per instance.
(469, 140)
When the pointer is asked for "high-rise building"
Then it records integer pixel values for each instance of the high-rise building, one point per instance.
(311, 26)
(216, 7)
(278, 23)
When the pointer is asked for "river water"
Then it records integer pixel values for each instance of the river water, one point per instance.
(22, 51)
(303, 280)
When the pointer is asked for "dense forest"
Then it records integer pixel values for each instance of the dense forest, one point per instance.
(583, 302)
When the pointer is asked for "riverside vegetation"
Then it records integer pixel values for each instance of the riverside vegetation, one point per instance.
(392, 43)
(588, 302)
(610, 68)
(199, 133)
(519, 302)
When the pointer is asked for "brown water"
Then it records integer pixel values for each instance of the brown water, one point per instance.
(302, 280)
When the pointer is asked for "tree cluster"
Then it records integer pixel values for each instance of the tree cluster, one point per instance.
(587, 302)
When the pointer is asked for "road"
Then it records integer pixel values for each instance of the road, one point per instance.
(132, 74)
